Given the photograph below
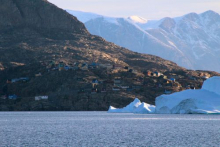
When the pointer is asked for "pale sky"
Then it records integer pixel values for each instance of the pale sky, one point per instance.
(149, 9)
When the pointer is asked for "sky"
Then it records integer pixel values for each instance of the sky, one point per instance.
(148, 9)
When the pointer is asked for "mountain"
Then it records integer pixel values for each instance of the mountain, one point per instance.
(190, 40)
(37, 37)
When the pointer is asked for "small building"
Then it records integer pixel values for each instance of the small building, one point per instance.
(14, 80)
(157, 74)
(167, 92)
(115, 88)
(51, 64)
(84, 66)
(37, 98)
(124, 86)
(163, 77)
(95, 82)
(93, 65)
(117, 82)
(148, 73)
(173, 79)
(61, 66)
(66, 67)
(12, 97)
(24, 79)
(38, 74)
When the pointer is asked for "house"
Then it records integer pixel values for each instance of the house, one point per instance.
(205, 77)
(167, 92)
(148, 73)
(163, 77)
(14, 80)
(115, 88)
(117, 82)
(12, 97)
(108, 66)
(157, 74)
(37, 98)
(61, 66)
(153, 74)
(93, 65)
(66, 67)
(124, 86)
(173, 79)
(38, 75)
(166, 81)
(24, 79)
(84, 66)
(95, 82)
(51, 64)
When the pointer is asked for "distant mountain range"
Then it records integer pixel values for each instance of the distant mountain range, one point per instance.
(192, 40)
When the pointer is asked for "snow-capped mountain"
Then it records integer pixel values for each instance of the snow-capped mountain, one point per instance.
(192, 40)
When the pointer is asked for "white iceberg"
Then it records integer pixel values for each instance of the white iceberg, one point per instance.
(134, 107)
(145, 108)
(202, 101)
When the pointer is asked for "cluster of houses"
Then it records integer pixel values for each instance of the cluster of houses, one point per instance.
(155, 79)
(82, 66)
(62, 66)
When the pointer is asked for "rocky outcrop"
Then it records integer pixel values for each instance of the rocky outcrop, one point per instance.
(37, 14)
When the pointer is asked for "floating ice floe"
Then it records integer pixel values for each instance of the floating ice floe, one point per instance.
(135, 107)
(202, 101)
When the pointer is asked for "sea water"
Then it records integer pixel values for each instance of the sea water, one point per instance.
(102, 129)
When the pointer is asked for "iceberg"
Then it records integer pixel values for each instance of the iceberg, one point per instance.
(202, 101)
(134, 107)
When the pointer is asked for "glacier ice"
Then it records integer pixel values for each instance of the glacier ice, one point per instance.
(134, 107)
(200, 101)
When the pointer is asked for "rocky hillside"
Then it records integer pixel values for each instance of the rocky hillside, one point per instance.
(37, 39)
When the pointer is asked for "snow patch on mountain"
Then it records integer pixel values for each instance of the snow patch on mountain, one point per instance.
(137, 19)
